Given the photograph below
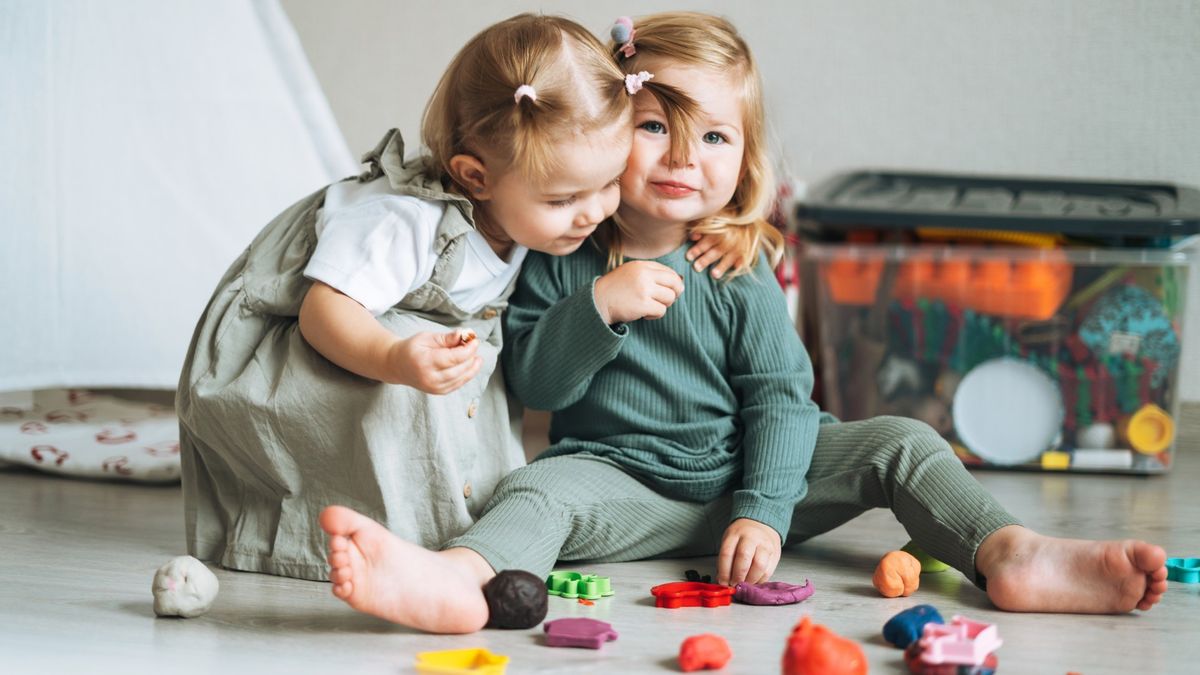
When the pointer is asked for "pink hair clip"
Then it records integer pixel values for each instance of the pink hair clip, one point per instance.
(633, 83)
(525, 90)
(623, 33)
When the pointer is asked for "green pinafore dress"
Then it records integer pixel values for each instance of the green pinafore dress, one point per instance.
(271, 432)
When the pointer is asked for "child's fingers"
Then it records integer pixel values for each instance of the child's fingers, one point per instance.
(664, 295)
(460, 379)
(670, 279)
(455, 356)
(725, 559)
(723, 266)
(760, 568)
(710, 256)
(699, 248)
(455, 376)
(743, 559)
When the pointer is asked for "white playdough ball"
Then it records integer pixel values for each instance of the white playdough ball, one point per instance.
(1099, 435)
(184, 587)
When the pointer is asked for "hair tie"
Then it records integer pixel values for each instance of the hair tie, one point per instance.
(633, 83)
(525, 90)
(623, 33)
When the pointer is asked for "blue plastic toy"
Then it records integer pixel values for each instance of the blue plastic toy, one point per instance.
(905, 628)
(1183, 570)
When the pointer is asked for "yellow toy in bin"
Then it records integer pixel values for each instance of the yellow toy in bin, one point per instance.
(1149, 431)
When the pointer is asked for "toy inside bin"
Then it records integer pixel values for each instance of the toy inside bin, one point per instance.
(1034, 323)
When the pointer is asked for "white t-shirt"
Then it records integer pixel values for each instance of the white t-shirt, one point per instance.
(376, 246)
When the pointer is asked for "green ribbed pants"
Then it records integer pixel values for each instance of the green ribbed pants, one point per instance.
(582, 507)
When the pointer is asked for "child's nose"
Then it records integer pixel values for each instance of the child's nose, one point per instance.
(680, 162)
(591, 214)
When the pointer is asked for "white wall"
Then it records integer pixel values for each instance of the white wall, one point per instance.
(1086, 88)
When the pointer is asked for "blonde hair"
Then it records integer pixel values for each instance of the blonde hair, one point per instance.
(711, 42)
(475, 107)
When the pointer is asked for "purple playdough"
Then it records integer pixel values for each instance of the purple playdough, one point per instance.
(588, 633)
(772, 593)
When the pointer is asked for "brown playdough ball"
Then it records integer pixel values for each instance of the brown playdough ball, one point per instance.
(515, 599)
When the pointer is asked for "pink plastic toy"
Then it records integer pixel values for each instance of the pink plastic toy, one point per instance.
(691, 594)
(961, 641)
(587, 633)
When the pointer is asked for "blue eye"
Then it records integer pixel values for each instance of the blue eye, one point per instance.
(713, 138)
(653, 127)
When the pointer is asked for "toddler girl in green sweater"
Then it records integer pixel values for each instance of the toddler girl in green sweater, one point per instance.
(683, 423)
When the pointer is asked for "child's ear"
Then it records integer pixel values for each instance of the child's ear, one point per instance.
(469, 172)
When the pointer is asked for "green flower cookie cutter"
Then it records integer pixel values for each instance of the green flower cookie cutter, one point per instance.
(576, 585)
(1184, 570)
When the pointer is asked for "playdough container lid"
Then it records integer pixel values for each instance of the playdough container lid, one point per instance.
(1111, 213)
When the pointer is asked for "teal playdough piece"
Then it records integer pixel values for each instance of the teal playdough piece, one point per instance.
(576, 585)
(929, 564)
(1183, 570)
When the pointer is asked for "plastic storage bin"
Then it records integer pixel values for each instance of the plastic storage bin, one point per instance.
(1033, 323)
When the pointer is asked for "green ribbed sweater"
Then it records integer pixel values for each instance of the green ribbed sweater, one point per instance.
(713, 397)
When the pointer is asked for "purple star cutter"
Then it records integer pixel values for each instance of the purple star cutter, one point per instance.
(772, 593)
(588, 633)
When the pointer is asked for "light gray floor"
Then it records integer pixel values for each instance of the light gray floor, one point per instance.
(77, 558)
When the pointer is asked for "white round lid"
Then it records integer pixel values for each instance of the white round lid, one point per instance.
(1007, 411)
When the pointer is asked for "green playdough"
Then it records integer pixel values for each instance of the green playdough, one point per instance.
(929, 564)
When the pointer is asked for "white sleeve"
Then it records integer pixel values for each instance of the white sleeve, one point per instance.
(376, 252)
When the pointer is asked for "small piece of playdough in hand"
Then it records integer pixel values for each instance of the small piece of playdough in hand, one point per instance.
(898, 573)
(772, 593)
(184, 587)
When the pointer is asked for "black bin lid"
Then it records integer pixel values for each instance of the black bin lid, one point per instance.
(906, 200)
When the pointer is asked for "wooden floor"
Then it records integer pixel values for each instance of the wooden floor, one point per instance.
(77, 558)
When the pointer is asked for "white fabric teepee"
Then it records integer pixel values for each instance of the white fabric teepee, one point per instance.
(142, 145)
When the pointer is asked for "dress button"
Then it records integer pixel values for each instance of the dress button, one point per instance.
(473, 408)
(489, 313)
(466, 490)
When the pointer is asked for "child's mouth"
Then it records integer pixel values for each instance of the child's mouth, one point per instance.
(672, 189)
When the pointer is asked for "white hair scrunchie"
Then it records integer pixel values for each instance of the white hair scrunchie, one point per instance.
(526, 90)
(633, 83)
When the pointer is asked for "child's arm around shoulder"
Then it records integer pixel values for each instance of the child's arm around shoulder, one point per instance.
(344, 332)
(556, 337)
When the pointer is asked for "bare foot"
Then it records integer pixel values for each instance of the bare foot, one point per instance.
(1029, 572)
(378, 573)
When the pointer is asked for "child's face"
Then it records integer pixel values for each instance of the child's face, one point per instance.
(704, 183)
(556, 216)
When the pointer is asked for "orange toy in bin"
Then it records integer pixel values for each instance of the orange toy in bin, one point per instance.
(852, 281)
(1024, 289)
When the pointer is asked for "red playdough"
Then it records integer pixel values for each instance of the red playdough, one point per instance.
(704, 652)
(813, 649)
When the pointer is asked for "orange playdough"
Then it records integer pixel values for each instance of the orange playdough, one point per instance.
(813, 649)
(898, 573)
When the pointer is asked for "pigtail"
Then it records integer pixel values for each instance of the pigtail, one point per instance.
(531, 120)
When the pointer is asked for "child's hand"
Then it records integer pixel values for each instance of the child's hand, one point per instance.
(435, 363)
(749, 552)
(641, 289)
(710, 248)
